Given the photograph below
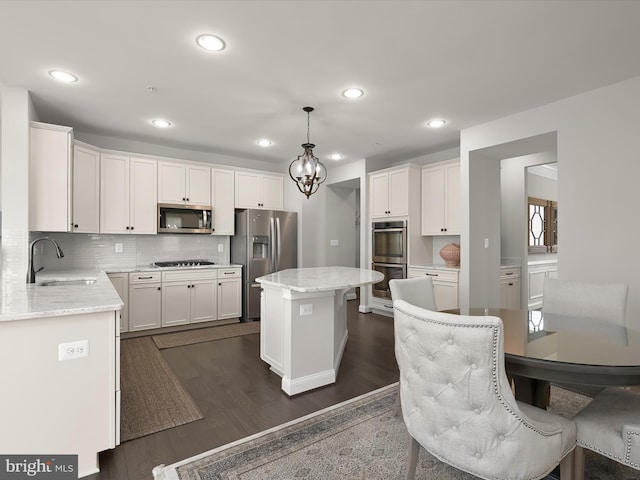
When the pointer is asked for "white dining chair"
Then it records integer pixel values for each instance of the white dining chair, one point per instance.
(610, 426)
(596, 302)
(417, 291)
(457, 402)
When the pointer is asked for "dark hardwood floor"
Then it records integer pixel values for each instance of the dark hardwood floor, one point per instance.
(239, 396)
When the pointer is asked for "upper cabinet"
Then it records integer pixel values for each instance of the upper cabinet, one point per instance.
(50, 153)
(222, 200)
(128, 195)
(259, 190)
(86, 190)
(390, 192)
(180, 183)
(441, 199)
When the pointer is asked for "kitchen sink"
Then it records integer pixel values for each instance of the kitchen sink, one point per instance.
(61, 283)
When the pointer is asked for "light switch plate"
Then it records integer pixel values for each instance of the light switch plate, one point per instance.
(306, 309)
(119, 248)
(221, 247)
(334, 243)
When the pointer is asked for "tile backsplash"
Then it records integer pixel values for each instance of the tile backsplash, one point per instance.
(99, 251)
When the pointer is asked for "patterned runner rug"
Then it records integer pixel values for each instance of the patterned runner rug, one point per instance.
(188, 337)
(357, 439)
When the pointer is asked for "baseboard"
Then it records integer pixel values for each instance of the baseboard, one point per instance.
(309, 382)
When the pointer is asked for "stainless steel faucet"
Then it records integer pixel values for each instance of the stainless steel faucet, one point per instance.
(31, 274)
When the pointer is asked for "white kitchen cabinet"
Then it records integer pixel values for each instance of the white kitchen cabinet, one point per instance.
(229, 293)
(259, 190)
(120, 282)
(189, 296)
(441, 199)
(145, 301)
(128, 195)
(445, 284)
(180, 183)
(86, 190)
(537, 273)
(223, 201)
(510, 287)
(389, 193)
(50, 154)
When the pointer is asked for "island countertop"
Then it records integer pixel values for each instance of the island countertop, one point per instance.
(318, 279)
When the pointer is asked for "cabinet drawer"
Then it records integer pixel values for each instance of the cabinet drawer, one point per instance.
(144, 277)
(182, 275)
(439, 275)
(509, 272)
(229, 272)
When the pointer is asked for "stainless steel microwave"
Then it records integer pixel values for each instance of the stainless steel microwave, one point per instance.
(183, 218)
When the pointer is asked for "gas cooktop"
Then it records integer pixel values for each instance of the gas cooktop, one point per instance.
(184, 263)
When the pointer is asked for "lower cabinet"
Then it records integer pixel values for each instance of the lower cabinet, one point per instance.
(445, 284)
(510, 287)
(172, 298)
(120, 282)
(537, 274)
(145, 301)
(189, 296)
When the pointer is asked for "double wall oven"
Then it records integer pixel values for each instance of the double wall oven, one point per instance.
(389, 252)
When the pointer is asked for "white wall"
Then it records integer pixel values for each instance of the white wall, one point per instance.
(341, 211)
(598, 171)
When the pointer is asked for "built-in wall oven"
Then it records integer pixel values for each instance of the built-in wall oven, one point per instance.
(389, 253)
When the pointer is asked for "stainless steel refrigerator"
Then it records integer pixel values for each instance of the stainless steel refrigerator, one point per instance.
(265, 241)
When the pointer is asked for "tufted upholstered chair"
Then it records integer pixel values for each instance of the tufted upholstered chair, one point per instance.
(417, 291)
(610, 426)
(599, 303)
(457, 402)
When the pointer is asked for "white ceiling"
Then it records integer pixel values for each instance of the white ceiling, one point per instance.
(465, 61)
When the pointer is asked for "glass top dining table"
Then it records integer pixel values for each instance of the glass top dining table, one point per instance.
(568, 350)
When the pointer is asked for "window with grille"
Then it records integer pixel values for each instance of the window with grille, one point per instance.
(543, 225)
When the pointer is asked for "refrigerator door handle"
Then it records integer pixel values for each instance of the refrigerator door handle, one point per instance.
(272, 239)
(279, 244)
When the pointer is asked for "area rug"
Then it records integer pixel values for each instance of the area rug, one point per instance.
(357, 439)
(152, 398)
(188, 337)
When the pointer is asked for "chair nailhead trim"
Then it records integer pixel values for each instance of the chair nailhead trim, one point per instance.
(628, 450)
(600, 451)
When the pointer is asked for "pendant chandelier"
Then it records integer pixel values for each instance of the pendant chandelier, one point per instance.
(307, 171)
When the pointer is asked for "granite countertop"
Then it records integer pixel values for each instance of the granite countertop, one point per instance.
(153, 268)
(22, 301)
(320, 279)
(437, 267)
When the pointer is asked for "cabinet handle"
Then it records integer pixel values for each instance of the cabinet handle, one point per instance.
(131, 228)
(387, 306)
(158, 288)
(75, 225)
(227, 273)
(431, 274)
(509, 273)
(145, 278)
(187, 199)
(127, 227)
(219, 284)
(184, 199)
(511, 284)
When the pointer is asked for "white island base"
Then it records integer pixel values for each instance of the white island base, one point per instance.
(303, 330)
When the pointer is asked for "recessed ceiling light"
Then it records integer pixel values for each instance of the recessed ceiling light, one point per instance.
(336, 156)
(437, 123)
(161, 123)
(264, 142)
(211, 42)
(353, 93)
(63, 76)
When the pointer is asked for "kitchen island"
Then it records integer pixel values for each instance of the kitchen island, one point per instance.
(303, 315)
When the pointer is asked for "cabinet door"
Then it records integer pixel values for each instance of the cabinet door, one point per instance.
(145, 306)
(248, 190)
(223, 189)
(86, 190)
(176, 303)
(379, 195)
(143, 203)
(49, 178)
(452, 199)
(203, 300)
(120, 282)
(399, 192)
(171, 183)
(229, 298)
(198, 189)
(433, 208)
(272, 192)
(536, 282)
(446, 294)
(114, 194)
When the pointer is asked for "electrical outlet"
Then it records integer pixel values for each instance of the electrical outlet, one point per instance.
(73, 350)
(334, 243)
(119, 248)
(221, 247)
(306, 309)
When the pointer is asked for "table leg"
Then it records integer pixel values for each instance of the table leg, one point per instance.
(532, 391)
